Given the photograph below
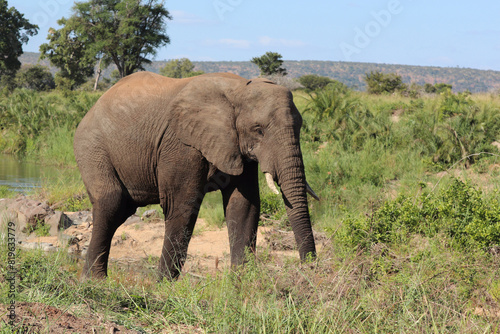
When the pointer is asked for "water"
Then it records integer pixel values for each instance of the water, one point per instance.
(21, 176)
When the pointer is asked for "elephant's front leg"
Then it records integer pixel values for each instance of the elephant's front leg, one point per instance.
(183, 187)
(242, 209)
(180, 218)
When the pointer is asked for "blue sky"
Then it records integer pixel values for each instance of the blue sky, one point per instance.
(412, 32)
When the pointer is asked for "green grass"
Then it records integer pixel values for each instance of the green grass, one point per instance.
(420, 286)
(409, 203)
(40, 126)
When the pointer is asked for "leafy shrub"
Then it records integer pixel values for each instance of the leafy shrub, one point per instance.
(35, 77)
(272, 206)
(437, 88)
(314, 82)
(381, 83)
(460, 212)
(340, 115)
(454, 104)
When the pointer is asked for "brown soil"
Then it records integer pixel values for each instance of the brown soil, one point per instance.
(41, 318)
(137, 239)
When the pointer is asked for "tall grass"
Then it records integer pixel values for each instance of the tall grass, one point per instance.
(41, 125)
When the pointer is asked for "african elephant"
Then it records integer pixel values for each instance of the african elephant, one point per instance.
(152, 139)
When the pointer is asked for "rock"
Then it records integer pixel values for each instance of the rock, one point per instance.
(80, 217)
(45, 246)
(58, 221)
(150, 214)
(134, 219)
(65, 240)
(5, 203)
(29, 212)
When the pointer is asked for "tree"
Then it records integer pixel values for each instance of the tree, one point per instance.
(15, 31)
(179, 68)
(269, 64)
(379, 83)
(123, 32)
(70, 53)
(313, 81)
(35, 77)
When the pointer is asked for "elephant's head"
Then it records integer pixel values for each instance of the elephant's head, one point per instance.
(231, 120)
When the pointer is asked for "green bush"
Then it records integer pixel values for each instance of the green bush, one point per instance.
(272, 206)
(35, 77)
(313, 82)
(459, 212)
(437, 88)
(339, 114)
(382, 83)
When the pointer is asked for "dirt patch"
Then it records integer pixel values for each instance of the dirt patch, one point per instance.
(396, 115)
(41, 318)
(139, 240)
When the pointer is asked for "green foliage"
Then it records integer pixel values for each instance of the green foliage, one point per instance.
(314, 82)
(15, 30)
(437, 88)
(120, 32)
(454, 104)
(179, 68)
(461, 128)
(28, 117)
(272, 206)
(270, 63)
(6, 192)
(459, 212)
(69, 52)
(344, 117)
(381, 83)
(35, 77)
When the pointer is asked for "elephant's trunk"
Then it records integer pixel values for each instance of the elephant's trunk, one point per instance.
(291, 178)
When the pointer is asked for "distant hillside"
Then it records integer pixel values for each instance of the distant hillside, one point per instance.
(351, 74)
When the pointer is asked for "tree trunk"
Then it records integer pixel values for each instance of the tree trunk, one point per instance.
(98, 76)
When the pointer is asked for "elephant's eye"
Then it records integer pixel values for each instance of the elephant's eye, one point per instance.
(259, 130)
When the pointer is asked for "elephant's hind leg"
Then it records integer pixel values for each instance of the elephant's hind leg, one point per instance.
(111, 207)
(108, 215)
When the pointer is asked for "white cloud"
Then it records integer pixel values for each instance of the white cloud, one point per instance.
(228, 42)
(291, 43)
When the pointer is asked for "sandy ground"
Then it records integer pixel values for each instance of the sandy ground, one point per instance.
(138, 239)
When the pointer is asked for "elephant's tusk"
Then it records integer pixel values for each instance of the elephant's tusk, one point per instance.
(270, 183)
(311, 192)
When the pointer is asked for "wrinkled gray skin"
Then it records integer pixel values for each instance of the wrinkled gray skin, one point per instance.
(152, 139)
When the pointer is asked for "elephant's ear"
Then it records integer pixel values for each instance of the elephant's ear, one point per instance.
(203, 117)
